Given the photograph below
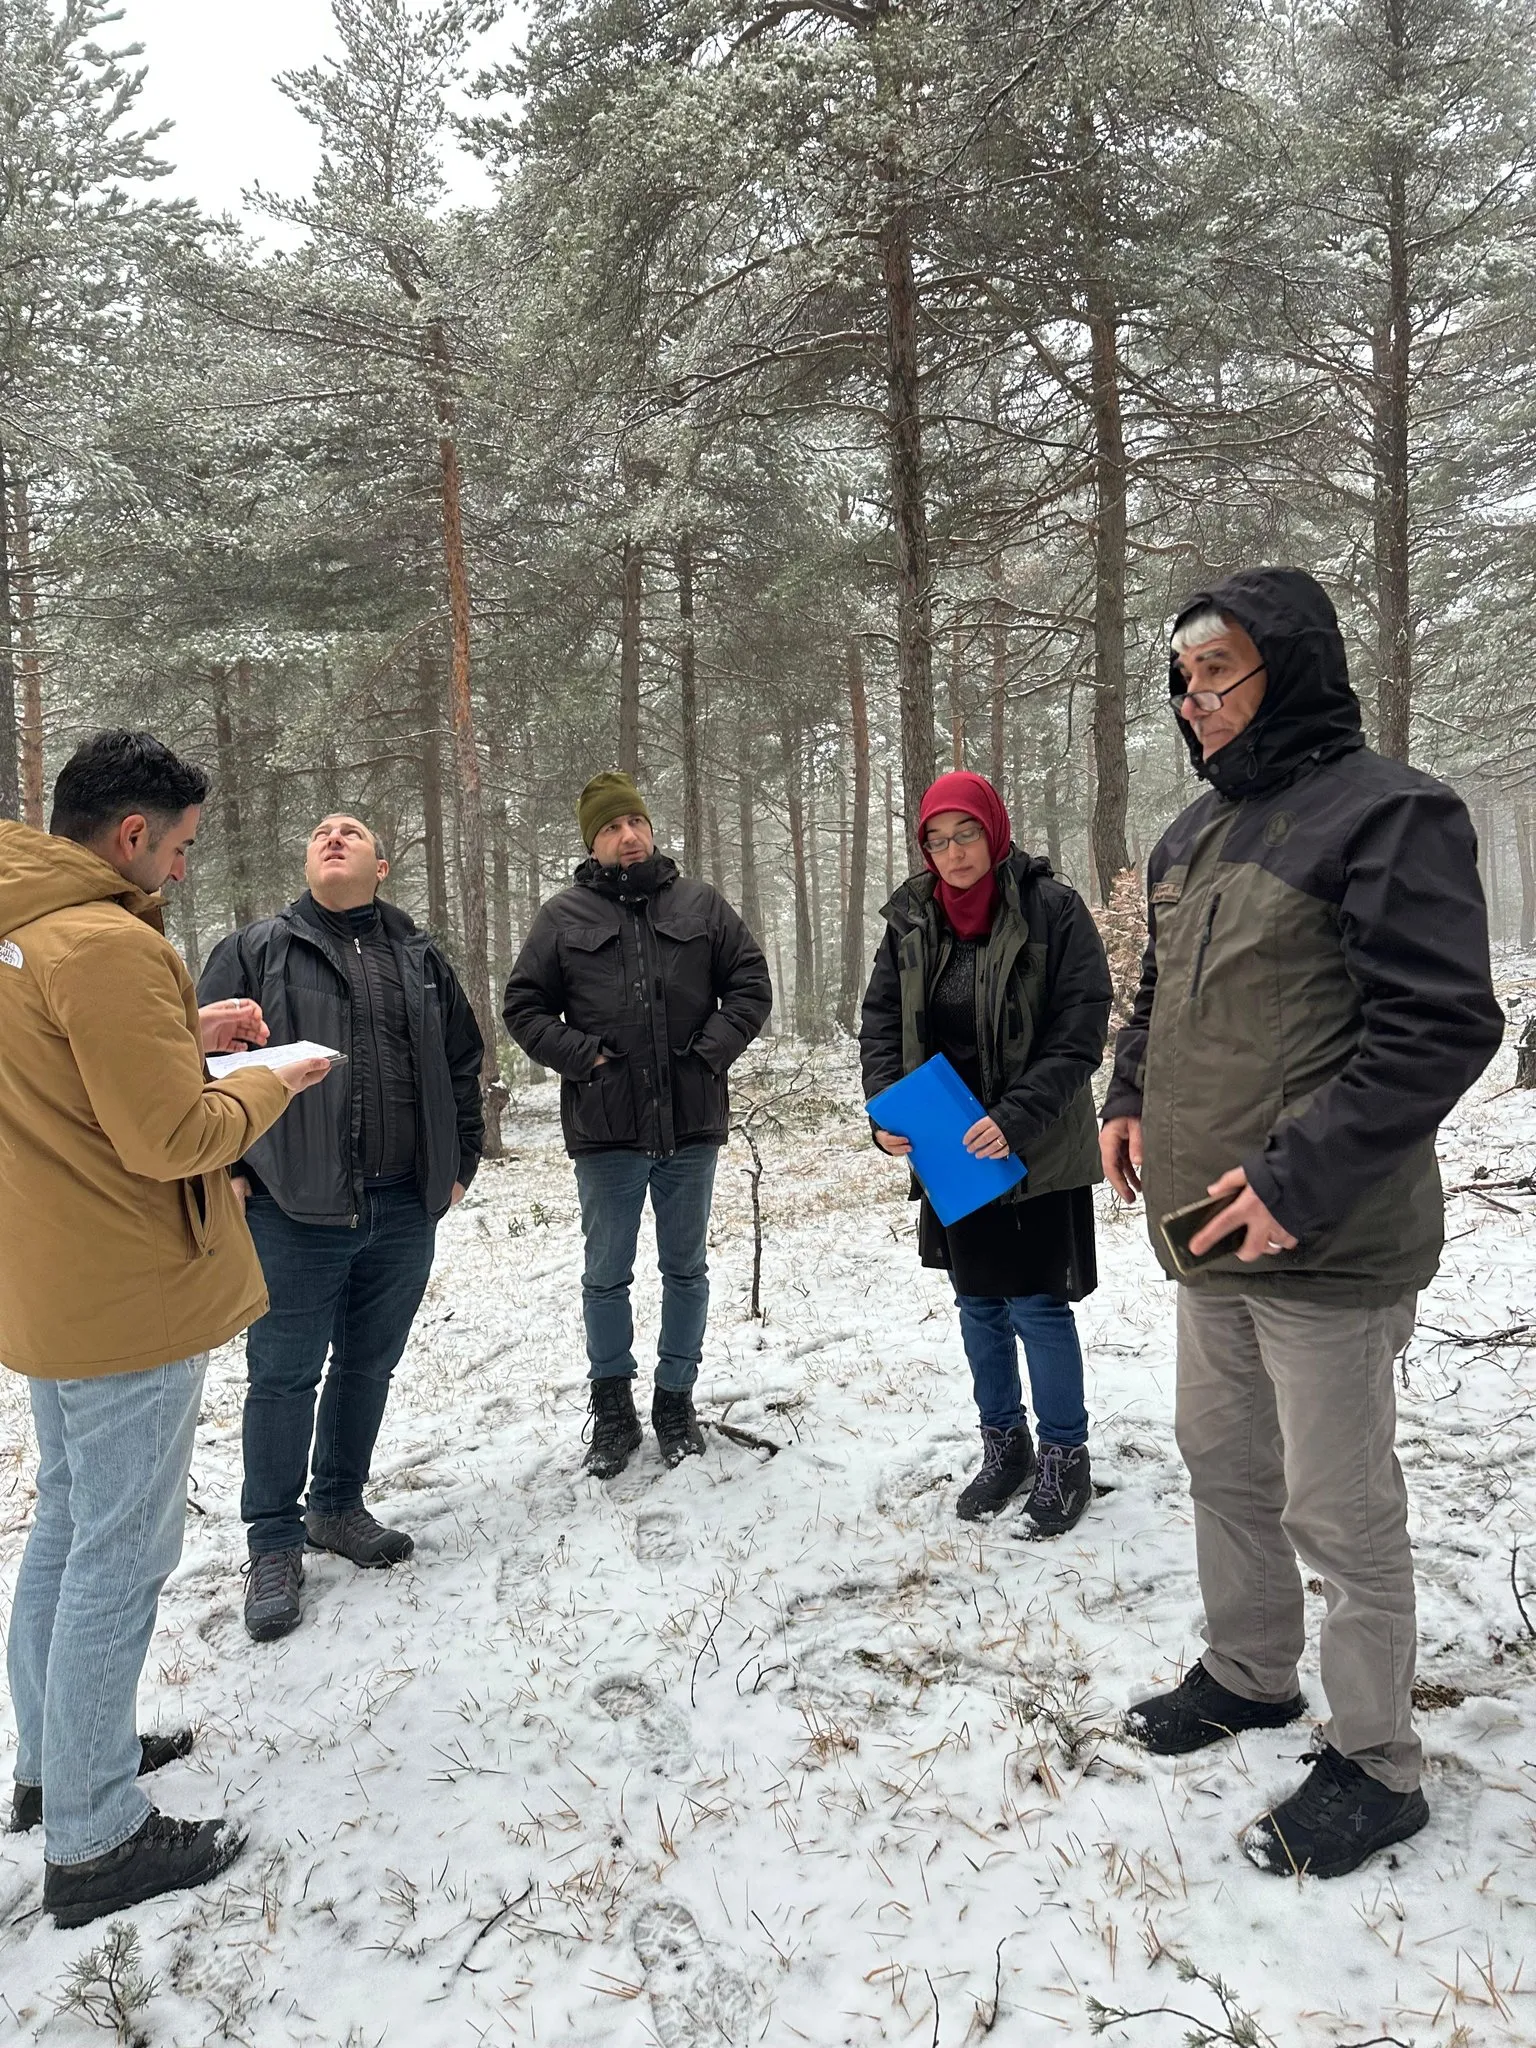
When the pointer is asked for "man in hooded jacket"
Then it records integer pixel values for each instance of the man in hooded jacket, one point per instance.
(1315, 997)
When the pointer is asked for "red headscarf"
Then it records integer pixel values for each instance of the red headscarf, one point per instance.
(970, 911)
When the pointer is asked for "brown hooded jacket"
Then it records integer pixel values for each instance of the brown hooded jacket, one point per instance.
(122, 1245)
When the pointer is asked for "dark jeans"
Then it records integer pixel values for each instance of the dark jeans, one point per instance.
(353, 1293)
(992, 1328)
(612, 1187)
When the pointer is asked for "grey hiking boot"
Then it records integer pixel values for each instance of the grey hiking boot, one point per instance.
(1063, 1488)
(1007, 1463)
(272, 1582)
(357, 1535)
(155, 1752)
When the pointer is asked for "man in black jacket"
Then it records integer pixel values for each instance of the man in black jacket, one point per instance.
(640, 987)
(1314, 998)
(344, 1203)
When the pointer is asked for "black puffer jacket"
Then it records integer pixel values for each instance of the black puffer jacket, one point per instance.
(311, 1162)
(657, 973)
(1315, 994)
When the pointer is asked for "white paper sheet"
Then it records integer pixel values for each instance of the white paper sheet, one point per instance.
(222, 1063)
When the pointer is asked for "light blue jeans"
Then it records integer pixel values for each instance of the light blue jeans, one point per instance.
(612, 1186)
(114, 1454)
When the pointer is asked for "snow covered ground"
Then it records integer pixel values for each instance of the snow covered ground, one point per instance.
(773, 1748)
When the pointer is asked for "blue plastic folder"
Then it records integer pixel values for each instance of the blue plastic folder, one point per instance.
(933, 1108)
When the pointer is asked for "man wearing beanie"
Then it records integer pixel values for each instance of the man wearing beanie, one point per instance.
(641, 988)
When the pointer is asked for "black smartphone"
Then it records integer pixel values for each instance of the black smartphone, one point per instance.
(1182, 1224)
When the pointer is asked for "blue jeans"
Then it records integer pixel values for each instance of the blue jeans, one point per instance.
(991, 1329)
(612, 1187)
(114, 1454)
(354, 1294)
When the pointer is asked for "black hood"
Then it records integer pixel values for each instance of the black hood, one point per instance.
(1309, 712)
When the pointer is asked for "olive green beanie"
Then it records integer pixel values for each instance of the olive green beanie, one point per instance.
(606, 797)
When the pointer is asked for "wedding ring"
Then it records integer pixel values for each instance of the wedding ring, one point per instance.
(1274, 1245)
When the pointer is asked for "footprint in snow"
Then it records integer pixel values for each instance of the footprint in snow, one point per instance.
(661, 1536)
(655, 1729)
(696, 2002)
(1453, 1788)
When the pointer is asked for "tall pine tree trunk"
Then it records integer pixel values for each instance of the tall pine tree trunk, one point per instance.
(1111, 782)
(813, 866)
(858, 841)
(185, 901)
(10, 765)
(433, 842)
(30, 756)
(805, 953)
(629, 657)
(1525, 847)
(688, 691)
(1392, 384)
(751, 898)
(890, 838)
(957, 697)
(501, 874)
(476, 954)
(231, 814)
(999, 704)
(909, 515)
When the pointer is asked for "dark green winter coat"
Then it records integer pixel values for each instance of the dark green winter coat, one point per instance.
(1042, 1015)
(1315, 994)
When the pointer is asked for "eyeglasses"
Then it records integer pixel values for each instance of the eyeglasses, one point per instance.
(1210, 700)
(966, 836)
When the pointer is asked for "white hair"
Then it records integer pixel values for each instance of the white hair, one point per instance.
(1200, 627)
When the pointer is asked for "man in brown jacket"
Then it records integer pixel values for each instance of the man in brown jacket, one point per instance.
(125, 1258)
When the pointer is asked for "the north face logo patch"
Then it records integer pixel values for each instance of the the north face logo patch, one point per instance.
(10, 954)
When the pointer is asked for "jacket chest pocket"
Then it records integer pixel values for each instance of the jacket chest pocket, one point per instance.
(685, 969)
(592, 969)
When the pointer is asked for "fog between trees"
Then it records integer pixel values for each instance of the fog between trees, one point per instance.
(836, 390)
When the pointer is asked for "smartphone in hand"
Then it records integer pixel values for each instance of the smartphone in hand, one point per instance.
(1180, 1225)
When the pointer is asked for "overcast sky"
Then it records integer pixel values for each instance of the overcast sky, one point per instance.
(210, 66)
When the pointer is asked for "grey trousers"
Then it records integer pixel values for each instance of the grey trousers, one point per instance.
(1286, 1418)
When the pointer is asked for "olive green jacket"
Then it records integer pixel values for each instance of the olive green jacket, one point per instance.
(1315, 993)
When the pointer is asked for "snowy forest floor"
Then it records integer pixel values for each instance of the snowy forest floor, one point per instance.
(774, 1748)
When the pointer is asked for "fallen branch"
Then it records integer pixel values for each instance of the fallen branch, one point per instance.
(1517, 1333)
(744, 1436)
(507, 1906)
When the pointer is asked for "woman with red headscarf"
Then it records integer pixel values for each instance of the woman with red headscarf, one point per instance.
(992, 961)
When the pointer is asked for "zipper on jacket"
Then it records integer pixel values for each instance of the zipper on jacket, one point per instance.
(1205, 940)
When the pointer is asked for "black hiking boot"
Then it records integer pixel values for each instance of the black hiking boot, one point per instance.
(1333, 1821)
(616, 1431)
(1063, 1488)
(165, 1855)
(355, 1534)
(1007, 1463)
(678, 1435)
(1197, 1712)
(155, 1752)
(272, 1582)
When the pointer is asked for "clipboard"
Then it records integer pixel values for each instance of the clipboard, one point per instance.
(933, 1109)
